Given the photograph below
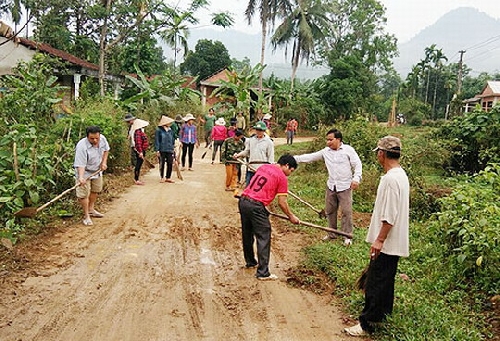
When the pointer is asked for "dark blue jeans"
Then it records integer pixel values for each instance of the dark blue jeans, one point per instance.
(255, 226)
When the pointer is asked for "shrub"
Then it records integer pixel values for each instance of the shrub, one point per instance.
(474, 140)
(468, 227)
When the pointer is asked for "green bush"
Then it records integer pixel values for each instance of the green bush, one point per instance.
(468, 227)
(474, 140)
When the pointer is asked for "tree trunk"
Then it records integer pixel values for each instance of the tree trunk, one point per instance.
(102, 48)
(262, 51)
(295, 65)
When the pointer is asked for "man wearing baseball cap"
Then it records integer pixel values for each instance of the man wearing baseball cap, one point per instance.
(259, 149)
(388, 235)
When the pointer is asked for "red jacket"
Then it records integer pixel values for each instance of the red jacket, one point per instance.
(219, 133)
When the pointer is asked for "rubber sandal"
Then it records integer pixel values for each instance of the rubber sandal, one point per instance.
(87, 222)
(96, 214)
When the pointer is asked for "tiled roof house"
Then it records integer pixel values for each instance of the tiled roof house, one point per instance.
(13, 51)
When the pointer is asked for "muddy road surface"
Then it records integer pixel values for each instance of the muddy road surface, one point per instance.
(165, 263)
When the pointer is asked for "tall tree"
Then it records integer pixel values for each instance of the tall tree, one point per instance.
(176, 33)
(208, 58)
(175, 24)
(357, 51)
(305, 26)
(268, 11)
(359, 28)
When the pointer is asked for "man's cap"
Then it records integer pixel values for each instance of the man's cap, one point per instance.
(129, 117)
(389, 144)
(179, 119)
(238, 132)
(260, 126)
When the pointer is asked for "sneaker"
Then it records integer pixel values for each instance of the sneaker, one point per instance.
(328, 237)
(96, 214)
(250, 266)
(355, 330)
(271, 277)
(347, 242)
(87, 222)
(139, 183)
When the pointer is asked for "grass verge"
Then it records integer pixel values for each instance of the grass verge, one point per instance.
(429, 303)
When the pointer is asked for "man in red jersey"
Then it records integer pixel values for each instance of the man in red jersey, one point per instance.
(269, 181)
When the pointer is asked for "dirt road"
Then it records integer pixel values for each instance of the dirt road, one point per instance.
(165, 263)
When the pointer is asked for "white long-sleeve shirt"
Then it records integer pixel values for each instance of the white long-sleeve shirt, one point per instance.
(343, 164)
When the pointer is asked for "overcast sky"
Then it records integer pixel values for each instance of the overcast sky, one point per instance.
(405, 18)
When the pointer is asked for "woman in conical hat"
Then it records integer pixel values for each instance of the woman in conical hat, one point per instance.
(141, 145)
(164, 147)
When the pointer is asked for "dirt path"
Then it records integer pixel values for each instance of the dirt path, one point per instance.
(165, 263)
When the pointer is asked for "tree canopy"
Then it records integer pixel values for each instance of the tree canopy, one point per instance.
(207, 58)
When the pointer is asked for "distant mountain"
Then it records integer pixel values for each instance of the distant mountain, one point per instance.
(241, 45)
(461, 29)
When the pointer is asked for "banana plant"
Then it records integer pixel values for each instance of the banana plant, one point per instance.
(239, 86)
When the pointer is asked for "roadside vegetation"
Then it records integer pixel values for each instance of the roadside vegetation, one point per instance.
(448, 287)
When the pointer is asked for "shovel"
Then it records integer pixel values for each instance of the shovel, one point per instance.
(342, 233)
(30, 212)
(321, 213)
(209, 148)
(178, 170)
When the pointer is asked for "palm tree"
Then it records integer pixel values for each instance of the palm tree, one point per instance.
(268, 10)
(178, 23)
(177, 31)
(304, 27)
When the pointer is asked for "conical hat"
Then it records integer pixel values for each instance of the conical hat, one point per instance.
(164, 121)
(139, 124)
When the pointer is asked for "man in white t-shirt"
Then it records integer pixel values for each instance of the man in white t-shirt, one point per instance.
(388, 235)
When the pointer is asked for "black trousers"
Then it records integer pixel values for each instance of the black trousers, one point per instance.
(138, 165)
(187, 149)
(379, 291)
(255, 226)
(217, 145)
(167, 157)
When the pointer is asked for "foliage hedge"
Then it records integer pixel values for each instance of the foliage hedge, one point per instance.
(454, 262)
(473, 139)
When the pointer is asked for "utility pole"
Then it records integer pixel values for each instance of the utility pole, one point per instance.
(460, 63)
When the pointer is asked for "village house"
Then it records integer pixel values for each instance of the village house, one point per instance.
(15, 49)
(487, 99)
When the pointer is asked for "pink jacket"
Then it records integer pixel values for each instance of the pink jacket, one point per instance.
(219, 133)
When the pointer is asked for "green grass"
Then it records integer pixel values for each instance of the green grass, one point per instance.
(431, 305)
